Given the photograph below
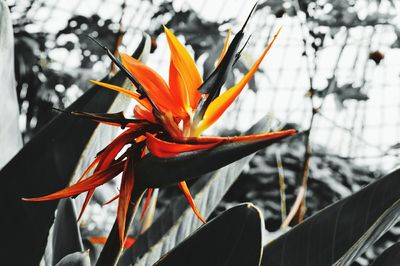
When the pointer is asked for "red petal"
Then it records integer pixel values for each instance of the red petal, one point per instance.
(89, 183)
(111, 200)
(90, 167)
(87, 199)
(146, 203)
(129, 242)
(161, 148)
(114, 148)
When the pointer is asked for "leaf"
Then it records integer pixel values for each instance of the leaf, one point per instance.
(232, 238)
(46, 164)
(178, 219)
(341, 232)
(390, 256)
(394, 146)
(278, 7)
(75, 259)
(66, 235)
(10, 137)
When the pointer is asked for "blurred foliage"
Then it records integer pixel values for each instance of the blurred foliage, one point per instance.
(342, 93)
(42, 81)
(333, 14)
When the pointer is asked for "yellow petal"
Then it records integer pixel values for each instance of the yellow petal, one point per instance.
(186, 66)
(129, 93)
(222, 102)
(225, 48)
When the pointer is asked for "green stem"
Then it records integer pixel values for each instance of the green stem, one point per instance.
(112, 249)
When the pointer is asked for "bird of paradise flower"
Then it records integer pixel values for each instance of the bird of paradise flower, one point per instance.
(164, 140)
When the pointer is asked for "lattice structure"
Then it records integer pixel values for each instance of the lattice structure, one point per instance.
(361, 130)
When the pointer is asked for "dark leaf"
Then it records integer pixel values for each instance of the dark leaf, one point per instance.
(66, 235)
(117, 118)
(342, 231)
(43, 166)
(390, 256)
(395, 146)
(233, 238)
(10, 139)
(75, 259)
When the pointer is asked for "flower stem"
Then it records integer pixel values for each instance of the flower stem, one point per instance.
(112, 249)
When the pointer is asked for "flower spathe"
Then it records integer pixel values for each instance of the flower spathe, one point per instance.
(165, 126)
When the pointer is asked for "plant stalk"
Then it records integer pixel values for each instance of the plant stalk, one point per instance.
(112, 249)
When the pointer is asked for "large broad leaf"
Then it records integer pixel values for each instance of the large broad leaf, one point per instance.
(66, 235)
(233, 238)
(10, 137)
(178, 220)
(47, 164)
(390, 256)
(75, 259)
(341, 232)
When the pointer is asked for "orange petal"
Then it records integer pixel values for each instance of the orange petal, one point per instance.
(95, 240)
(226, 44)
(222, 102)
(182, 185)
(133, 95)
(161, 148)
(146, 203)
(89, 183)
(154, 84)
(186, 66)
(178, 88)
(90, 167)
